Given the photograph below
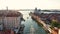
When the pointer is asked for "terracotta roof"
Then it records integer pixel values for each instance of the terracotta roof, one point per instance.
(9, 13)
(51, 16)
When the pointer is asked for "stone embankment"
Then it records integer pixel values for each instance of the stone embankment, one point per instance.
(39, 21)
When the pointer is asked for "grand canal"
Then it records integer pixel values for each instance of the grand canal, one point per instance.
(31, 26)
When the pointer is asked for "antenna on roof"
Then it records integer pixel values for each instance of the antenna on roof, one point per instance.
(7, 7)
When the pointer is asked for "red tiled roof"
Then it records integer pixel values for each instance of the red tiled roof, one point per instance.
(9, 13)
(51, 16)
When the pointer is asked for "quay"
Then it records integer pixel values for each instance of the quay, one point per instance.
(39, 21)
(45, 19)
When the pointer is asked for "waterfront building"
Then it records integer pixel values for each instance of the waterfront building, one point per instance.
(47, 16)
(10, 20)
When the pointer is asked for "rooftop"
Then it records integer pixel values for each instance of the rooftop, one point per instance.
(9, 13)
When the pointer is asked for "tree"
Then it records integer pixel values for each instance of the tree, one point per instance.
(55, 24)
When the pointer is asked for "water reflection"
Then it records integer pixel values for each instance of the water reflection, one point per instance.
(31, 27)
(25, 14)
(32, 30)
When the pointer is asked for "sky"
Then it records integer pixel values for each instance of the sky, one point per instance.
(30, 4)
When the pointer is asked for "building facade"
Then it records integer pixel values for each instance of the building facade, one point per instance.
(10, 20)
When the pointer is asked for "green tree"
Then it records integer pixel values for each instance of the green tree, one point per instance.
(55, 24)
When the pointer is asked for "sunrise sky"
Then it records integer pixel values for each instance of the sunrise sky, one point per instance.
(30, 4)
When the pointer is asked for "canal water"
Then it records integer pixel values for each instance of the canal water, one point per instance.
(31, 26)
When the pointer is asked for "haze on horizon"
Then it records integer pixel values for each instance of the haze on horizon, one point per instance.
(30, 4)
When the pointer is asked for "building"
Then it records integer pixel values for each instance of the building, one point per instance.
(10, 20)
(47, 16)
